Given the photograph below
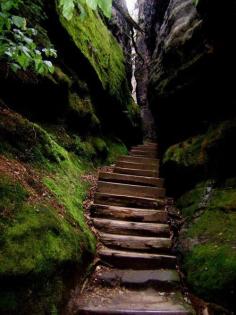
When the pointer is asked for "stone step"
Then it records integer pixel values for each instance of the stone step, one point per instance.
(125, 301)
(131, 179)
(128, 201)
(124, 259)
(131, 228)
(137, 166)
(145, 153)
(130, 190)
(136, 243)
(139, 159)
(130, 171)
(145, 147)
(149, 144)
(162, 279)
(128, 214)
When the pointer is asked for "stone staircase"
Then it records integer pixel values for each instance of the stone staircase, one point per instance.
(137, 270)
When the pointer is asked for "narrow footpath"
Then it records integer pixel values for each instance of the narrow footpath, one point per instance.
(136, 273)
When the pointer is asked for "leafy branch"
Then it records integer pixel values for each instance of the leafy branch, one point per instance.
(17, 45)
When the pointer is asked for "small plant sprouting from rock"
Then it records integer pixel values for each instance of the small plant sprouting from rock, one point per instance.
(17, 45)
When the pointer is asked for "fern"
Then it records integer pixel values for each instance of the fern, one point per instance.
(68, 6)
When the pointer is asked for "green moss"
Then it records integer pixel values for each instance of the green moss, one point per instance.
(43, 234)
(100, 48)
(210, 257)
(83, 112)
(216, 226)
(28, 141)
(39, 238)
(224, 198)
(189, 203)
(186, 153)
(43, 229)
(91, 150)
(212, 151)
(70, 190)
(134, 112)
(62, 77)
(46, 237)
(115, 149)
(12, 195)
(211, 270)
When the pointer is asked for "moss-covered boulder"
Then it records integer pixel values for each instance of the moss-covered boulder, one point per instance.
(208, 241)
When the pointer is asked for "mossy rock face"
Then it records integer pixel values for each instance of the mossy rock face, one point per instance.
(43, 229)
(44, 236)
(98, 45)
(81, 114)
(41, 237)
(208, 155)
(28, 141)
(208, 241)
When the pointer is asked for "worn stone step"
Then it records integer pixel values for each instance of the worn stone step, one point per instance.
(145, 147)
(128, 201)
(128, 214)
(139, 159)
(124, 259)
(131, 179)
(126, 301)
(136, 172)
(145, 153)
(130, 190)
(162, 279)
(149, 144)
(131, 228)
(136, 243)
(137, 166)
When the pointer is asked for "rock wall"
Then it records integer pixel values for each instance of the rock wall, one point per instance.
(190, 64)
(90, 74)
(146, 20)
(122, 32)
(54, 131)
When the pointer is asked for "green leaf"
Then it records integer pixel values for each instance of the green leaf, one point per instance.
(105, 6)
(49, 66)
(19, 22)
(81, 10)
(92, 4)
(23, 60)
(67, 7)
(7, 5)
(15, 67)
